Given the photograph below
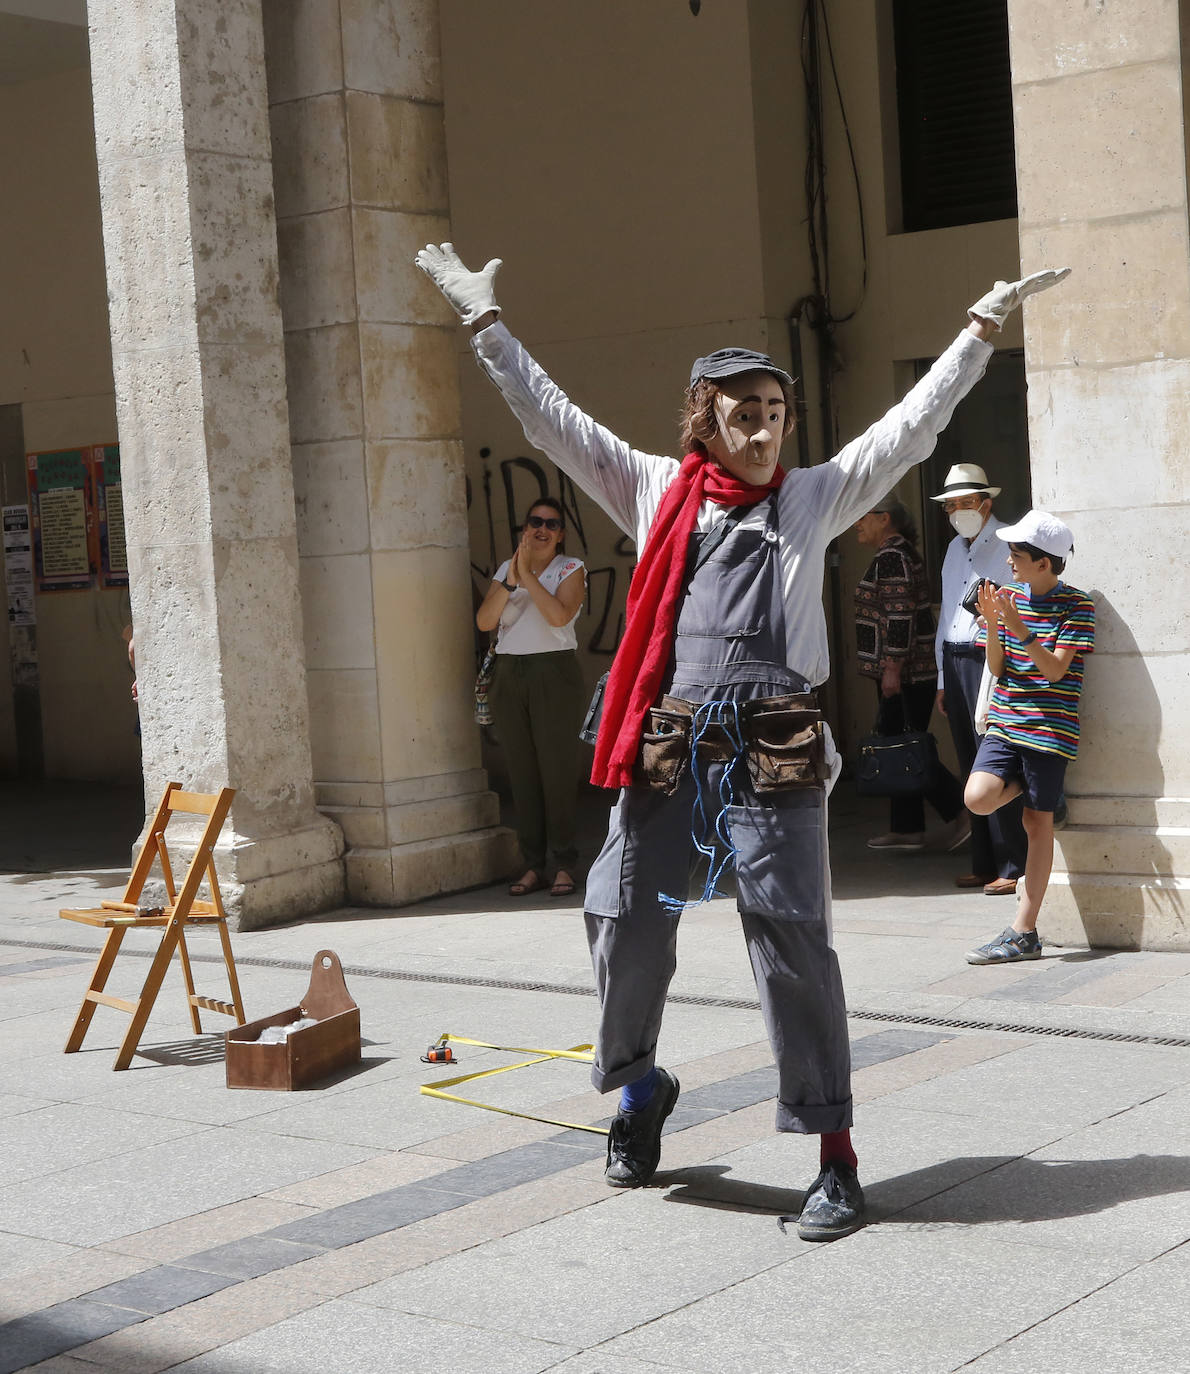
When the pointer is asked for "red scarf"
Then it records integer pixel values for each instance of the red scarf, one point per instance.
(652, 611)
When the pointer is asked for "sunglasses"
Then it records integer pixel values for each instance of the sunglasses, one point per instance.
(551, 522)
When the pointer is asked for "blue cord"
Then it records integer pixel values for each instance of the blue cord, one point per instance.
(726, 716)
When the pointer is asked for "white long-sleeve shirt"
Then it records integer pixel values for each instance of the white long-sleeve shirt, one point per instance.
(814, 504)
(984, 557)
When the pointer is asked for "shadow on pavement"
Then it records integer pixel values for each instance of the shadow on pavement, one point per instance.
(967, 1190)
(1011, 1188)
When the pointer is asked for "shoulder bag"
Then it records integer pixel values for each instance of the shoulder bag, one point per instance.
(903, 765)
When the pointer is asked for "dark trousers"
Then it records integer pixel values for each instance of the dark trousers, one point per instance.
(998, 841)
(907, 815)
(537, 706)
(783, 896)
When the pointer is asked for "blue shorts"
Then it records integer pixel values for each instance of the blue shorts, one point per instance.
(1040, 774)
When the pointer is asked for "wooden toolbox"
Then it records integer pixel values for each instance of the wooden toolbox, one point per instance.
(314, 1052)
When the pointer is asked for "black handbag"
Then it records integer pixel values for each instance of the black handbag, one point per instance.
(904, 765)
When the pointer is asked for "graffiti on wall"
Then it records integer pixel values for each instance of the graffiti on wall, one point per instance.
(508, 488)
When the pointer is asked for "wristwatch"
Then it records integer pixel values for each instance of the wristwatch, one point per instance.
(1028, 639)
(508, 587)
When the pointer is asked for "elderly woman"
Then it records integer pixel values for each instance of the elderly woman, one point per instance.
(537, 691)
(894, 630)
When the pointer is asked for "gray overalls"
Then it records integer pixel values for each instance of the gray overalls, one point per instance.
(729, 646)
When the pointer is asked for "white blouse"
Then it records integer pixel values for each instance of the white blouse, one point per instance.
(523, 629)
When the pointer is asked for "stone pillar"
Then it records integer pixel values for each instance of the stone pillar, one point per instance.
(1101, 157)
(182, 135)
(360, 175)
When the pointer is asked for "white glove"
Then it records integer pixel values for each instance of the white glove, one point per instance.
(472, 294)
(1005, 296)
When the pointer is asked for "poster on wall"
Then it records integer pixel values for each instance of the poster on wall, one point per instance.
(60, 492)
(109, 510)
(18, 565)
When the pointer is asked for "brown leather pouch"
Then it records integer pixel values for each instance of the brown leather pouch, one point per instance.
(664, 746)
(786, 746)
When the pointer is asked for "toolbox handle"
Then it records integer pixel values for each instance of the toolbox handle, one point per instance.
(327, 994)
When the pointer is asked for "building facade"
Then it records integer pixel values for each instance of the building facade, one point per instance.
(213, 268)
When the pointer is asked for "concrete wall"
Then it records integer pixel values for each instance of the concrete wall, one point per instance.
(640, 172)
(55, 362)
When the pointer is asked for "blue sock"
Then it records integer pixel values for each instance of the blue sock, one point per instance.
(635, 1096)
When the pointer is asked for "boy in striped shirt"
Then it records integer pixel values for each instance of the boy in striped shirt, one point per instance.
(1037, 633)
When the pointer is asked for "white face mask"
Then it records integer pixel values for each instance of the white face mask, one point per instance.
(968, 523)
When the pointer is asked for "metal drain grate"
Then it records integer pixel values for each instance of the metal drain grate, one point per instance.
(685, 999)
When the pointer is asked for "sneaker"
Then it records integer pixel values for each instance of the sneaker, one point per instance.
(1007, 948)
(634, 1138)
(908, 843)
(957, 832)
(834, 1205)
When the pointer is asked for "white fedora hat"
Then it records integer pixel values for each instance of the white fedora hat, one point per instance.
(965, 479)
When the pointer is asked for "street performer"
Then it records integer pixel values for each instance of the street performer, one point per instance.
(710, 727)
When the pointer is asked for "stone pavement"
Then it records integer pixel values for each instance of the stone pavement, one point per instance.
(1022, 1137)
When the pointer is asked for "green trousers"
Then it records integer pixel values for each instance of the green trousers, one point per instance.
(537, 707)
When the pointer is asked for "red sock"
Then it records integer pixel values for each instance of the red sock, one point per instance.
(836, 1146)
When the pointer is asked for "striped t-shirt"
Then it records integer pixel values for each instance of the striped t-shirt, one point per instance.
(1026, 709)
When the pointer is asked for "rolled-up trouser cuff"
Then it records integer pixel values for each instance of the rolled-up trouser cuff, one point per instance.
(609, 1082)
(814, 1118)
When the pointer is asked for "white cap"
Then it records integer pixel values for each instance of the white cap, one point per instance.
(1041, 529)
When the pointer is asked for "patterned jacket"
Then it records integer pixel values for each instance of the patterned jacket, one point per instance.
(893, 619)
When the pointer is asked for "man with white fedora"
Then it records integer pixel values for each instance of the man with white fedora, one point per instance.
(998, 843)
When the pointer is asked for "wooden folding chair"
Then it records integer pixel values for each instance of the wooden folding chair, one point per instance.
(184, 909)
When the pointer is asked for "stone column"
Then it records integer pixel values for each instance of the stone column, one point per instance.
(360, 175)
(1101, 156)
(182, 135)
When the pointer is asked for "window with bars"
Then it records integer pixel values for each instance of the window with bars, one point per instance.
(954, 112)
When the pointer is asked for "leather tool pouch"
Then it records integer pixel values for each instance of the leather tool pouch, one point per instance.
(665, 746)
(786, 748)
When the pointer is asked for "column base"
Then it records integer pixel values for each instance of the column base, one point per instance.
(410, 872)
(419, 837)
(1119, 875)
(282, 877)
(270, 880)
(1121, 912)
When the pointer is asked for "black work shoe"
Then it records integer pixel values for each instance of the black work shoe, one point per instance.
(834, 1206)
(634, 1138)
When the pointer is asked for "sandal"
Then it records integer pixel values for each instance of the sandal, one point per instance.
(563, 886)
(522, 888)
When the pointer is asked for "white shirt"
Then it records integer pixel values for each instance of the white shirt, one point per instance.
(814, 504)
(985, 557)
(523, 629)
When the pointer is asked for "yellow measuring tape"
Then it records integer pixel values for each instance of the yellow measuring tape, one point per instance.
(580, 1053)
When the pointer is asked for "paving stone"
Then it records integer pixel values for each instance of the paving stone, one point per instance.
(70, 1274)
(369, 1217)
(50, 961)
(878, 1302)
(252, 1256)
(565, 1288)
(145, 1188)
(67, 1133)
(160, 1288)
(160, 1342)
(176, 1239)
(364, 1340)
(1064, 1082)
(374, 1175)
(502, 1171)
(1130, 1324)
(57, 1329)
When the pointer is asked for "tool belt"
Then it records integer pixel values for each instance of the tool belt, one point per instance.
(783, 743)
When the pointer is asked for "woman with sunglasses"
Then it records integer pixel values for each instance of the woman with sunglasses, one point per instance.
(537, 695)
